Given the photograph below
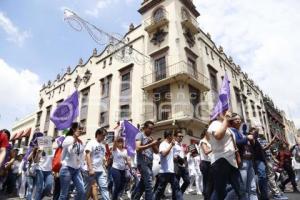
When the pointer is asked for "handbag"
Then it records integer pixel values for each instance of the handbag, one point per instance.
(237, 153)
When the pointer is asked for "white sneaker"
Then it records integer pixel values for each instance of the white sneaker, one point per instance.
(129, 194)
(199, 193)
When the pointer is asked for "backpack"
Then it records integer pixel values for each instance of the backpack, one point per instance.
(56, 162)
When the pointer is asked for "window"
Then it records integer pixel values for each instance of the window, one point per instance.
(103, 118)
(104, 64)
(206, 50)
(212, 55)
(195, 100)
(84, 104)
(83, 125)
(213, 84)
(124, 112)
(239, 102)
(105, 86)
(253, 108)
(163, 102)
(160, 69)
(47, 121)
(158, 15)
(110, 60)
(38, 119)
(192, 68)
(125, 84)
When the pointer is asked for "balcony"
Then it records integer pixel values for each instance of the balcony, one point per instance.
(179, 112)
(190, 23)
(180, 71)
(156, 21)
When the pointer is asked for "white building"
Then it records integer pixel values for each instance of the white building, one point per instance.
(168, 71)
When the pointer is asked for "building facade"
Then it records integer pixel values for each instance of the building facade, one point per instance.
(166, 70)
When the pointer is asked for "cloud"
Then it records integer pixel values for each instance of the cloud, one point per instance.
(261, 36)
(19, 93)
(13, 33)
(95, 11)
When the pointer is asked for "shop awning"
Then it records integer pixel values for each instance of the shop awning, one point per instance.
(26, 133)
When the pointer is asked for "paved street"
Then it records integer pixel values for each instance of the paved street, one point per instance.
(292, 196)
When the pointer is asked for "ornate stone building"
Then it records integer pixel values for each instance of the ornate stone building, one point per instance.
(166, 69)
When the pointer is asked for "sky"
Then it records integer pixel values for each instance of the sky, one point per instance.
(36, 44)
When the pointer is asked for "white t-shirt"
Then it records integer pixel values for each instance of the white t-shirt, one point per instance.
(72, 154)
(202, 154)
(167, 162)
(15, 167)
(97, 151)
(178, 150)
(223, 148)
(119, 159)
(156, 165)
(45, 162)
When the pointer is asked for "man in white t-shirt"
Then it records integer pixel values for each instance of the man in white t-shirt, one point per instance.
(224, 165)
(166, 172)
(180, 161)
(94, 168)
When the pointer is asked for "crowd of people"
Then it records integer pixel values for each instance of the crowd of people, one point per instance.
(228, 163)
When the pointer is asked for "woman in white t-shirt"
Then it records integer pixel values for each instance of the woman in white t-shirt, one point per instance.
(205, 165)
(120, 160)
(71, 160)
(224, 165)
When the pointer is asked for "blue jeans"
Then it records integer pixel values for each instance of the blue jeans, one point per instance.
(30, 182)
(44, 181)
(66, 175)
(101, 179)
(164, 179)
(248, 178)
(224, 173)
(262, 179)
(145, 184)
(119, 182)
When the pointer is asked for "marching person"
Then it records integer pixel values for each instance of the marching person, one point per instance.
(44, 178)
(194, 171)
(120, 160)
(246, 151)
(205, 165)
(166, 172)
(95, 159)
(71, 160)
(180, 162)
(267, 155)
(145, 147)
(223, 158)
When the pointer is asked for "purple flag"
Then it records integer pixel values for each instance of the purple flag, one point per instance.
(224, 98)
(130, 132)
(66, 112)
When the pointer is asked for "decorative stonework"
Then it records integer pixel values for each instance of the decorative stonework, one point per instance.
(208, 35)
(95, 52)
(87, 76)
(69, 70)
(77, 81)
(221, 50)
(49, 83)
(41, 102)
(230, 60)
(80, 61)
(158, 36)
(58, 77)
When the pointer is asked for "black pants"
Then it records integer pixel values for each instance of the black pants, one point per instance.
(288, 168)
(56, 191)
(164, 179)
(205, 168)
(223, 174)
(183, 173)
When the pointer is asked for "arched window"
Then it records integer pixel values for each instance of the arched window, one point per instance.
(159, 14)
